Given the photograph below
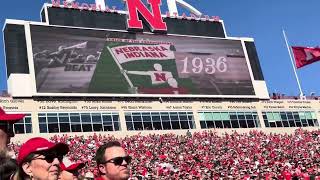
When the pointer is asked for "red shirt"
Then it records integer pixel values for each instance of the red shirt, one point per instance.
(286, 175)
(144, 171)
(305, 176)
(162, 156)
(246, 177)
(99, 178)
(268, 176)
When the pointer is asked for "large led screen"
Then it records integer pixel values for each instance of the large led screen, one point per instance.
(71, 60)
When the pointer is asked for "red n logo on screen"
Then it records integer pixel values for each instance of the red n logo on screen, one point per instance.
(152, 17)
(160, 76)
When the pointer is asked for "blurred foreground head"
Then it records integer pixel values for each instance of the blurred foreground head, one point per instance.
(6, 127)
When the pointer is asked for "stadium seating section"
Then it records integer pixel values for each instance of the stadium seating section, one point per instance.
(205, 155)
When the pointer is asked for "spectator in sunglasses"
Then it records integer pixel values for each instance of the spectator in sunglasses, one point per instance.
(6, 127)
(113, 162)
(70, 170)
(40, 159)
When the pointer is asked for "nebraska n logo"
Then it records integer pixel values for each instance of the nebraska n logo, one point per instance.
(153, 18)
(152, 15)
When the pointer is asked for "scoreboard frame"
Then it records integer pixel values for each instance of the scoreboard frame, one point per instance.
(39, 94)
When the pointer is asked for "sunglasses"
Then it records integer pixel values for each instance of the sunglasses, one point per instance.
(119, 160)
(7, 127)
(49, 157)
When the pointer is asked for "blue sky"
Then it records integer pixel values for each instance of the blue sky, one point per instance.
(260, 19)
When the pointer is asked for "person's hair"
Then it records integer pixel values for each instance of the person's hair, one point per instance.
(102, 149)
(8, 166)
(21, 173)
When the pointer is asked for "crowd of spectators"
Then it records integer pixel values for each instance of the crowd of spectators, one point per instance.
(207, 155)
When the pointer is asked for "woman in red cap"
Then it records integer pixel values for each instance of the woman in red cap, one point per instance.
(39, 159)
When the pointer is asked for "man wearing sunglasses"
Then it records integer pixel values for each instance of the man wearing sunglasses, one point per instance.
(6, 127)
(113, 162)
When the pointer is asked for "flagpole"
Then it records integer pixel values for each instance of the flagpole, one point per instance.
(293, 66)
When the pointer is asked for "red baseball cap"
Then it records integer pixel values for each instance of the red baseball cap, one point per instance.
(38, 144)
(67, 165)
(10, 117)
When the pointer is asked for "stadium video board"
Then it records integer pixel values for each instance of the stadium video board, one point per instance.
(110, 63)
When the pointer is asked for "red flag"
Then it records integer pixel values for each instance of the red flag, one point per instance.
(305, 55)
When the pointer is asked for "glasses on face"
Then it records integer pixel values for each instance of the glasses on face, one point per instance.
(7, 127)
(49, 157)
(119, 160)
